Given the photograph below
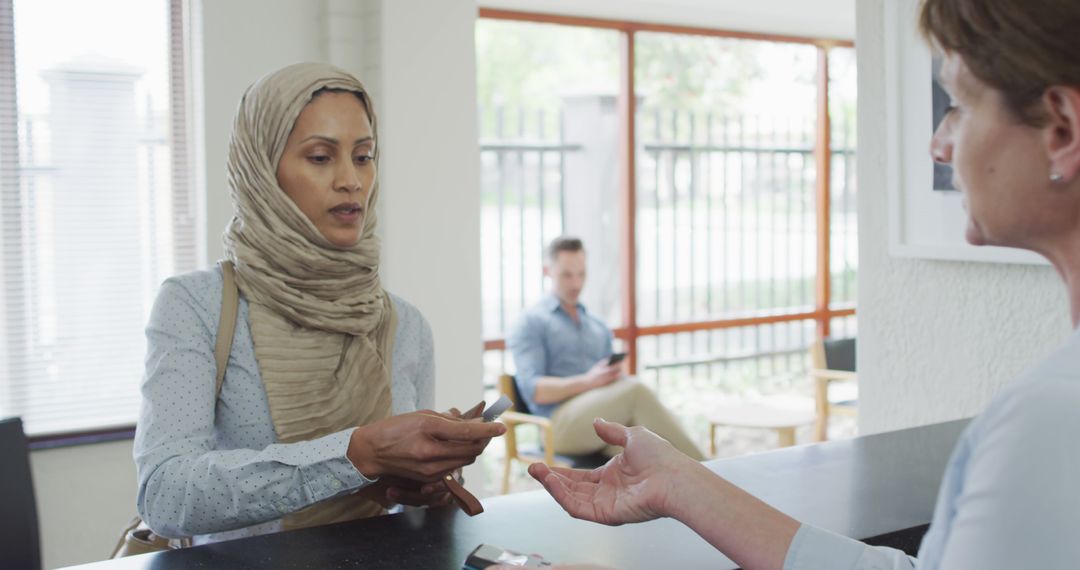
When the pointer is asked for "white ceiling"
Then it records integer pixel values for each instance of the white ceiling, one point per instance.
(816, 18)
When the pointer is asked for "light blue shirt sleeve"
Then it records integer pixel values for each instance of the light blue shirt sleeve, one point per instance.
(526, 343)
(1008, 498)
(187, 486)
(814, 548)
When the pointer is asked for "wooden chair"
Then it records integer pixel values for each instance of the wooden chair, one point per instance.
(519, 415)
(831, 360)
(19, 535)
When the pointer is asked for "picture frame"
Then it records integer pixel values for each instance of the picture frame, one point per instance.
(923, 222)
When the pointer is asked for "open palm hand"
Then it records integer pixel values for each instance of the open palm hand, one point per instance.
(632, 487)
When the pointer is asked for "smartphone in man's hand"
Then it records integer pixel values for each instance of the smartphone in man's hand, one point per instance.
(616, 358)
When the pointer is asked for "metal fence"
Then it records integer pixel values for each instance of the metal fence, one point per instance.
(523, 197)
(726, 228)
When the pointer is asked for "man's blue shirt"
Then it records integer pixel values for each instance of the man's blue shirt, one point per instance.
(546, 341)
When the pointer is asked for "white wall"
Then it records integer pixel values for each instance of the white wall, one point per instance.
(431, 177)
(85, 496)
(834, 19)
(936, 339)
(243, 40)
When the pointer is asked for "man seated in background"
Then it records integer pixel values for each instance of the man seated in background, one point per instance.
(565, 370)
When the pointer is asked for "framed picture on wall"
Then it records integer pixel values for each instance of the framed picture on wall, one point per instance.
(939, 103)
(926, 214)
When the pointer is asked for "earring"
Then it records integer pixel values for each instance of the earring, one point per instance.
(1056, 177)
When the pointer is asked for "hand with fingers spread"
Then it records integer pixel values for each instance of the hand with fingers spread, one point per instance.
(633, 487)
(421, 446)
(651, 479)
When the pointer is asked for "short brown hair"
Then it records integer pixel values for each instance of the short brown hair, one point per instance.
(1019, 47)
(563, 243)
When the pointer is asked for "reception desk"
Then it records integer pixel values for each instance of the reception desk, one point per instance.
(880, 488)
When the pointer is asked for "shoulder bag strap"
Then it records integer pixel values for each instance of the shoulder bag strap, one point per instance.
(230, 305)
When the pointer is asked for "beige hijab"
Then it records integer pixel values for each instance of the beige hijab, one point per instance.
(322, 325)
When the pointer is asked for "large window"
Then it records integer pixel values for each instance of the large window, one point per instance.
(717, 203)
(96, 207)
(549, 141)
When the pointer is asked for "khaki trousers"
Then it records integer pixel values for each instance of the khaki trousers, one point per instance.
(626, 401)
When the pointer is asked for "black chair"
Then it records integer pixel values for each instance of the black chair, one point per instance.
(518, 415)
(20, 544)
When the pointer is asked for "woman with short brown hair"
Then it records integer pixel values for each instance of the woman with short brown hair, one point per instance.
(1009, 497)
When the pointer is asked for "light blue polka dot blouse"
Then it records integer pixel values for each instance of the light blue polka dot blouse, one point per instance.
(212, 467)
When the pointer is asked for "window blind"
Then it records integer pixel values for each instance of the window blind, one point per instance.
(96, 203)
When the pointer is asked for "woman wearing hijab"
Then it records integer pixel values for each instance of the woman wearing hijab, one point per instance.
(316, 420)
(1009, 496)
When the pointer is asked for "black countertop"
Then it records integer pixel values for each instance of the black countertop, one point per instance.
(880, 487)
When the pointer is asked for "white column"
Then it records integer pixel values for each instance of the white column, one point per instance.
(239, 42)
(429, 212)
